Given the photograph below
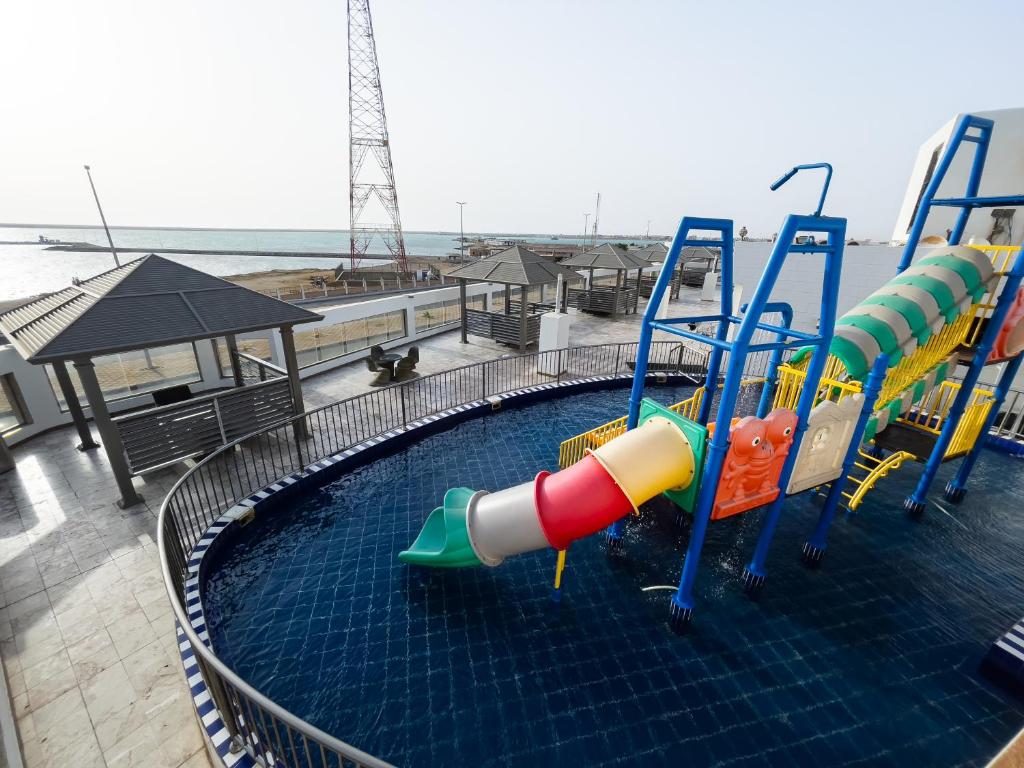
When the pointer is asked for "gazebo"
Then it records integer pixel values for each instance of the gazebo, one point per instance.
(515, 266)
(148, 303)
(616, 299)
(655, 254)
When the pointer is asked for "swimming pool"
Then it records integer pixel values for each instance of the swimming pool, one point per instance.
(871, 659)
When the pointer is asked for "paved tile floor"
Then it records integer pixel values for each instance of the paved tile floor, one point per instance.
(86, 628)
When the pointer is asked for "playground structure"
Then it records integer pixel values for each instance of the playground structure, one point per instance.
(864, 395)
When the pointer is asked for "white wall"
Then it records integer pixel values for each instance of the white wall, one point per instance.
(44, 408)
(1004, 174)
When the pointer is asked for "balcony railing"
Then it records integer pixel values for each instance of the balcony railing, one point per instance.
(248, 464)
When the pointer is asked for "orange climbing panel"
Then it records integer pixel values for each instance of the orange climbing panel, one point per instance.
(750, 474)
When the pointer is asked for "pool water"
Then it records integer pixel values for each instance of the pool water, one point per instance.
(872, 659)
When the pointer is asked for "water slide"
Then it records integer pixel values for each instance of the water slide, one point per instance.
(663, 453)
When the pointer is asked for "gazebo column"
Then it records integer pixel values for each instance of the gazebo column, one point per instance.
(639, 280)
(508, 299)
(67, 389)
(462, 301)
(522, 318)
(291, 362)
(109, 435)
(236, 364)
(615, 296)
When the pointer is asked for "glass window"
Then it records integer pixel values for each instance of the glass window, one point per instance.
(127, 374)
(444, 312)
(329, 341)
(257, 347)
(12, 410)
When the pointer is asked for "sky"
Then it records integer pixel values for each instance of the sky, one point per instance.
(233, 113)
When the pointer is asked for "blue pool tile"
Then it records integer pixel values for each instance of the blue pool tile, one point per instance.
(870, 660)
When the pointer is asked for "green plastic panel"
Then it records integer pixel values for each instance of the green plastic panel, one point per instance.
(911, 312)
(918, 391)
(938, 289)
(870, 429)
(878, 329)
(698, 437)
(967, 271)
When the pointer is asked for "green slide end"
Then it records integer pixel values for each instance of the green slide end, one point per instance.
(444, 540)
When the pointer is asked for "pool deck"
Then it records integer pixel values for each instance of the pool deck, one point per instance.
(86, 629)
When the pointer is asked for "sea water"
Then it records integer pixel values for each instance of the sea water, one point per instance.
(27, 270)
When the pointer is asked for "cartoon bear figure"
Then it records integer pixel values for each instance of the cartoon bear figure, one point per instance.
(757, 451)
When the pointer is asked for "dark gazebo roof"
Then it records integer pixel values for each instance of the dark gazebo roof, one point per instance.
(514, 266)
(606, 256)
(148, 302)
(654, 253)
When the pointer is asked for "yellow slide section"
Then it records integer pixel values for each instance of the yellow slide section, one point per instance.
(654, 457)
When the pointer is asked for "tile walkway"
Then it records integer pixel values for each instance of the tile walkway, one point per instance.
(86, 629)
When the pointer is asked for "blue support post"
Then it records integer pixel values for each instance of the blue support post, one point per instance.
(725, 310)
(643, 349)
(682, 600)
(956, 488)
(755, 573)
(814, 547)
(918, 500)
(772, 377)
(959, 135)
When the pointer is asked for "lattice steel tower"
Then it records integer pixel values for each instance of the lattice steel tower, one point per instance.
(368, 130)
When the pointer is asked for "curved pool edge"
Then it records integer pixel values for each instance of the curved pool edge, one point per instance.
(215, 729)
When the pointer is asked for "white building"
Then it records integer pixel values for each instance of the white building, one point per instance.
(1004, 174)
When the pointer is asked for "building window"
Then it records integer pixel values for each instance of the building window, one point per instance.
(327, 342)
(127, 374)
(257, 347)
(444, 312)
(924, 184)
(13, 412)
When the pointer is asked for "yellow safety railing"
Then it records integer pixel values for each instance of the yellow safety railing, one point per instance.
(1001, 256)
(791, 379)
(912, 368)
(575, 448)
(931, 415)
(874, 470)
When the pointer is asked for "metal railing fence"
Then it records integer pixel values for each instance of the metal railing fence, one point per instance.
(248, 464)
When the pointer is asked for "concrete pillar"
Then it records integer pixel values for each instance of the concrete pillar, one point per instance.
(462, 300)
(639, 280)
(67, 389)
(508, 299)
(236, 365)
(109, 435)
(291, 363)
(522, 317)
(619, 274)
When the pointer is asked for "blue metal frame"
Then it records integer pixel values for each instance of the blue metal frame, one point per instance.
(772, 377)
(956, 488)
(981, 137)
(755, 573)
(971, 200)
(739, 348)
(814, 547)
(806, 167)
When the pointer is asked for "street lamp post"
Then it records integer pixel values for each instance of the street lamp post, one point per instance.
(462, 235)
(103, 218)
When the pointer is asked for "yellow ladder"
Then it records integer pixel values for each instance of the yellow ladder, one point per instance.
(866, 473)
